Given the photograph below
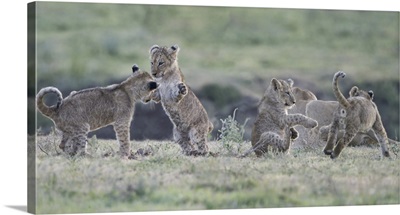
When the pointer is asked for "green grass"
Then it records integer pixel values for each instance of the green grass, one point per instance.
(168, 180)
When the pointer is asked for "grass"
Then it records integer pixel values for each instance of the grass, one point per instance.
(168, 180)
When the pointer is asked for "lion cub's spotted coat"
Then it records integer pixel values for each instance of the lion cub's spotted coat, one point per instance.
(190, 120)
(90, 109)
(357, 114)
(325, 110)
(274, 126)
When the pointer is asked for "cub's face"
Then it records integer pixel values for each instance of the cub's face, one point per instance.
(162, 58)
(149, 91)
(282, 92)
(142, 84)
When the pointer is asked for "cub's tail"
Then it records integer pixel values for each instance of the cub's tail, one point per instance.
(43, 108)
(339, 96)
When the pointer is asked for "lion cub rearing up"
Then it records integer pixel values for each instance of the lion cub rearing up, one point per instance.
(274, 126)
(190, 120)
(93, 108)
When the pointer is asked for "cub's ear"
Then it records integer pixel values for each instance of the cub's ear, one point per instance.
(135, 68)
(290, 82)
(153, 48)
(354, 91)
(275, 84)
(371, 94)
(173, 50)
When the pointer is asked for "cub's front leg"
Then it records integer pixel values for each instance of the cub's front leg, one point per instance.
(180, 91)
(155, 96)
(294, 134)
(121, 128)
(299, 119)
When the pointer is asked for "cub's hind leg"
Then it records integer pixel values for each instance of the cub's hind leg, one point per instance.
(74, 140)
(64, 140)
(261, 146)
(199, 138)
(76, 144)
(184, 142)
(268, 139)
(324, 132)
(350, 133)
(381, 136)
(332, 137)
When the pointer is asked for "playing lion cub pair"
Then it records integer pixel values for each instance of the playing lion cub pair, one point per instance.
(91, 109)
(355, 115)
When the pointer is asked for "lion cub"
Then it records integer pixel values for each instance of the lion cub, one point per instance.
(357, 114)
(90, 109)
(325, 110)
(188, 116)
(273, 125)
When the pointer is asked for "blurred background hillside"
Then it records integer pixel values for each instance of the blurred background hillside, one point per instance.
(228, 55)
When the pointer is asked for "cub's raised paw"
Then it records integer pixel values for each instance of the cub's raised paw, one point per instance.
(294, 134)
(182, 89)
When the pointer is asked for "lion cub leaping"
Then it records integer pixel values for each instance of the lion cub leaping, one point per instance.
(90, 109)
(357, 114)
(190, 120)
(274, 126)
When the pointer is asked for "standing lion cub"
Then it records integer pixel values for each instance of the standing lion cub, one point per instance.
(356, 114)
(274, 126)
(188, 116)
(90, 109)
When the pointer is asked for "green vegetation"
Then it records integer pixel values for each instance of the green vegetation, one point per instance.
(232, 133)
(168, 180)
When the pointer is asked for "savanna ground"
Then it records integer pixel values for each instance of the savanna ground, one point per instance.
(161, 178)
